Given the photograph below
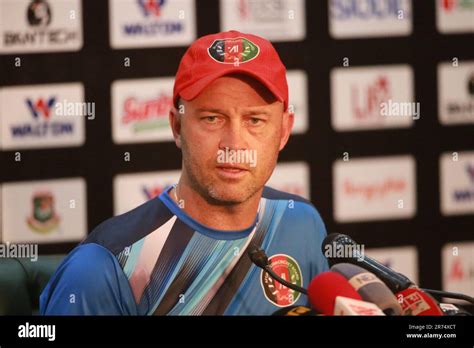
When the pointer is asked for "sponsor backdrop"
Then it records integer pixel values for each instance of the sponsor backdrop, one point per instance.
(382, 90)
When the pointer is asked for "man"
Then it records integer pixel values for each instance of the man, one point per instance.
(185, 251)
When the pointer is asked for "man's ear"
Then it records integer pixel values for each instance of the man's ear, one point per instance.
(288, 120)
(175, 123)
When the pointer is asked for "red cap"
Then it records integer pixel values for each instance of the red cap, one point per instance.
(216, 55)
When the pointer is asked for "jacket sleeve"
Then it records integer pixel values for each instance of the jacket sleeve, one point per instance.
(89, 281)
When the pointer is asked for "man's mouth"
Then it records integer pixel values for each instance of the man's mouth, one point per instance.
(231, 171)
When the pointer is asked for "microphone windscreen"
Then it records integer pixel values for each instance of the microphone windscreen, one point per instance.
(369, 287)
(418, 303)
(325, 287)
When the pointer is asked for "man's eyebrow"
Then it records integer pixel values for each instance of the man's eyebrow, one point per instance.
(253, 110)
(256, 110)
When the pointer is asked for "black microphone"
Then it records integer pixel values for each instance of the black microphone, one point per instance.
(260, 259)
(395, 281)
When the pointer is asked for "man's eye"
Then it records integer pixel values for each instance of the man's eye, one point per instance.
(210, 119)
(255, 121)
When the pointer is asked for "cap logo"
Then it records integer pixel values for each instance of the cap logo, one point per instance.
(233, 51)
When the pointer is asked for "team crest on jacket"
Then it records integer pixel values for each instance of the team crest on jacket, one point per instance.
(287, 268)
(233, 51)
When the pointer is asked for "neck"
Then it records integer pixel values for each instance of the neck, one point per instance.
(221, 217)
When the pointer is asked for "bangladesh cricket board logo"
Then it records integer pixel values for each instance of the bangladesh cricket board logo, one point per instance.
(287, 268)
(233, 51)
(43, 219)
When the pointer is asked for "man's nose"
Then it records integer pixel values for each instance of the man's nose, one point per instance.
(233, 136)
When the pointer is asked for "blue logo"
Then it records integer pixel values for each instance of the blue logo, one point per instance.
(41, 110)
(153, 23)
(366, 9)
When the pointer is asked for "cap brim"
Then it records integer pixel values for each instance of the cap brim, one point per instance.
(192, 91)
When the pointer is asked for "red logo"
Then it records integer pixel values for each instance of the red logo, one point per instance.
(287, 268)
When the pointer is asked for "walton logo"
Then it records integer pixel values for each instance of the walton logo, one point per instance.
(39, 13)
(43, 125)
(366, 9)
(466, 194)
(151, 7)
(470, 171)
(154, 23)
(41, 107)
(233, 51)
(366, 100)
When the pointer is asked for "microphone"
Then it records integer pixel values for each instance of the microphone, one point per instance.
(451, 310)
(369, 287)
(416, 302)
(395, 281)
(295, 311)
(260, 259)
(325, 287)
(349, 306)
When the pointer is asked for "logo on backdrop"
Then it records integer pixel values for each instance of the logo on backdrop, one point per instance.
(456, 93)
(42, 116)
(154, 23)
(41, 26)
(275, 20)
(39, 13)
(267, 11)
(366, 100)
(43, 218)
(374, 188)
(374, 97)
(457, 183)
(455, 16)
(151, 23)
(466, 194)
(458, 267)
(41, 110)
(368, 18)
(287, 268)
(151, 7)
(459, 108)
(146, 114)
(140, 110)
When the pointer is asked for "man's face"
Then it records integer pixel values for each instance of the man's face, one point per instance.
(230, 136)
